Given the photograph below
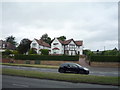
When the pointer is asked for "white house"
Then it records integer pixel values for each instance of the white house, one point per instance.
(38, 45)
(68, 47)
(59, 47)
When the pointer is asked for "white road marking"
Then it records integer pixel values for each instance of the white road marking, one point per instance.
(20, 85)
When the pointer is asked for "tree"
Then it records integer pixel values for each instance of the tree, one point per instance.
(63, 38)
(32, 51)
(46, 39)
(24, 46)
(11, 40)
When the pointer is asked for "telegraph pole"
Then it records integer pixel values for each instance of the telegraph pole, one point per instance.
(104, 48)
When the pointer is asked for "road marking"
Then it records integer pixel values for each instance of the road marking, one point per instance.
(20, 85)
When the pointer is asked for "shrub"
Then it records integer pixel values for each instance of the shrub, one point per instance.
(32, 51)
(44, 52)
(46, 57)
(105, 58)
(7, 52)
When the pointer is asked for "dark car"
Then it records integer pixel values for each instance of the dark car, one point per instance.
(72, 68)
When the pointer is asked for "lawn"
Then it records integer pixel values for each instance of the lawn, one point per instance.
(76, 78)
(31, 65)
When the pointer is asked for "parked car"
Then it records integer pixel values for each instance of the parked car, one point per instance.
(72, 68)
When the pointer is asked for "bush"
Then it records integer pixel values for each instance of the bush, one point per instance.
(105, 58)
(46, 57)
(44, 52)
(32, 51)
(7, 52)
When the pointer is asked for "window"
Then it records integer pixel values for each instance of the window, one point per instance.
(34, 45)
(55, 43)
(3, 45)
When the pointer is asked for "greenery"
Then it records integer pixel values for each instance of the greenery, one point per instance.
(44, 52)
(105, 58)
(45, 38)
(11, 40)
(46, 57)
(7, 52)
(63, 38)
(31, 65)
(32, 51)
(76, 78)
(24, 46)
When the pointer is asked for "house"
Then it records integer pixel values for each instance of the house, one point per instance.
(39, 44)
(6, 45)
(68, 47)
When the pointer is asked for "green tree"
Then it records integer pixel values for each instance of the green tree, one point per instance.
(46, 39)
(7, 52)
(32, 51)
(11, 40)
(63, 38)
(24, 46)
(44, 52)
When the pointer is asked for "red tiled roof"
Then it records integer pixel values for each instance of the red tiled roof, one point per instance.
(78, 43)
(41, 42)
(7, 45)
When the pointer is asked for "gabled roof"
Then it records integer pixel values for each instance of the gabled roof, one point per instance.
(7, 45)
(78, 43)
(42, 43)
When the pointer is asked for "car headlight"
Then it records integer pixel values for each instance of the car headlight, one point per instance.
(86, 68)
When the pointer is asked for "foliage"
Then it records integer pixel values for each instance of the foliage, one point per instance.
(76, 78)
(105, 58)
(15, 52)
(63, 38)
(44, 52)
(46, 39)
(46, 57)
(110, 52)
(7, 52)
(11, 40)
(24, 46)
(32, 51)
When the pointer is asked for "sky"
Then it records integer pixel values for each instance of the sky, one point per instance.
(96, 23)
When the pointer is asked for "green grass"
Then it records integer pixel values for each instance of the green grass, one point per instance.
(31, 65)
(76, 78)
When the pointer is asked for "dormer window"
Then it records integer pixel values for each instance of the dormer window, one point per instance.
(55, 43)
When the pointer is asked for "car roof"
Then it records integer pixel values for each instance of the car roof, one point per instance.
(70, 63)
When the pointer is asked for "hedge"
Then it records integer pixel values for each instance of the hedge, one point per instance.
(105, 58)
(46, 57)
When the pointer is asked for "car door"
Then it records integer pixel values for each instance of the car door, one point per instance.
(74, 68)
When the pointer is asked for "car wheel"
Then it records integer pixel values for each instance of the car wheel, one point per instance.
(62, 71)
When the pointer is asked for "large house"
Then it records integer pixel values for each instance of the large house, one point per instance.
(6, 45)
(68, 47)
(38, 45)
(59, 47)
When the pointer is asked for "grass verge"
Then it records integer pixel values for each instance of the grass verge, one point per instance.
(76, 78)
(31, 65)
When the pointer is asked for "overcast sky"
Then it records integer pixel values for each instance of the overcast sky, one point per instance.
(96, 23)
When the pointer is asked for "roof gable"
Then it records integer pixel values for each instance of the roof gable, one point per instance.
(42, 43)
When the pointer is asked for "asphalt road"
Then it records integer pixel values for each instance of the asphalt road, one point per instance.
(23, 82)
(93, 70)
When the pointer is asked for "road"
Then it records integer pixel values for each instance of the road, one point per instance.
(93, 70)
(23, 82)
